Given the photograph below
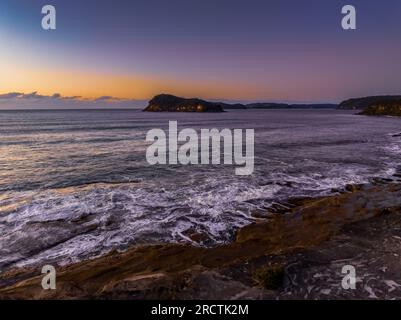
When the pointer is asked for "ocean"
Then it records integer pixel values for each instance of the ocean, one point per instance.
(75, 184)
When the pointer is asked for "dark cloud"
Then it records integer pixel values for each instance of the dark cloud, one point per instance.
(33, 95)
(71, 98)
(10, 95)
(103, 98)
(56, 100)
(107, 98)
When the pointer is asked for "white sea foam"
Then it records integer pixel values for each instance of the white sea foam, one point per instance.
(71, 224)
(67, 225)
(394, 148)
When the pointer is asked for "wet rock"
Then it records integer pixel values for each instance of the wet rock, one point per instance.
(381, 180)
(37, 236)
(269, 277)
(197, 236)
(215, 286)
(353, 187)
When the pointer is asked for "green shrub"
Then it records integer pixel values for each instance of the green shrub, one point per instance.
(269, 277)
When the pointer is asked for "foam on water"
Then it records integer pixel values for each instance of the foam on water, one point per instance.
(71, 224)
(79, 222)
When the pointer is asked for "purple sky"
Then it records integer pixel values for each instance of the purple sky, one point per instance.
(250, 50)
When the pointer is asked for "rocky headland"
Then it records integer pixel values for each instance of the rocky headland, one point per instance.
(390, 108)
(374, 106)
(170, 103)
(362, 103)
(295, 250)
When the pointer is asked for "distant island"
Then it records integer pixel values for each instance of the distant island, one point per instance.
(273, 105)
(171, 103)
(374, 106)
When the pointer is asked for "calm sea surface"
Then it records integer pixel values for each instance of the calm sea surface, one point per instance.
(76, 184)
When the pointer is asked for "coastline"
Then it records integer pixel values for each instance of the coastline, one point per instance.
(300, 241)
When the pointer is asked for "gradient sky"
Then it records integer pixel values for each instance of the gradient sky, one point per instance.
(280, 50)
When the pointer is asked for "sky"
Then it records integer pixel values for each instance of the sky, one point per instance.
(121, 53)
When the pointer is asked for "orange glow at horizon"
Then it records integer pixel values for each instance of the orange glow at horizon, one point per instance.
(89, 85)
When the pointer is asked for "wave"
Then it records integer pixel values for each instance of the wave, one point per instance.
(67, 225)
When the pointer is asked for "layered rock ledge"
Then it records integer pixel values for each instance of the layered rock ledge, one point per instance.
(297, 252)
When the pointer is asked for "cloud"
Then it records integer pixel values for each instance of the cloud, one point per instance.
(33, 95)
(71, 98)
(35, 100)
(108, 99)
(10, 95)
(104, 98)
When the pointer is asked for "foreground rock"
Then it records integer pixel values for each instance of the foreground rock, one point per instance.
(170, 103)
(298, 252)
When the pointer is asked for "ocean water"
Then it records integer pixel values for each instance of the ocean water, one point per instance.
(76, 184)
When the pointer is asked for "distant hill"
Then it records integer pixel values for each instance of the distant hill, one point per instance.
(170, 103)
(269, 105)
(362, 103)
